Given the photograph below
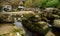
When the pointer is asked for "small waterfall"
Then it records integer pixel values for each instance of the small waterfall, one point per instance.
(18, 24)
(49, 25)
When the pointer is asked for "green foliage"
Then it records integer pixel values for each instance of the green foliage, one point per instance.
(45, 3)
(39, 3)
(52, 3)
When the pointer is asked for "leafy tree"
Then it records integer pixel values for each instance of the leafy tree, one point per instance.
(39, 3)
(52, 3)
(43, 3)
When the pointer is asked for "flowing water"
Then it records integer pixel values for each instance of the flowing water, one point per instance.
(19, 25)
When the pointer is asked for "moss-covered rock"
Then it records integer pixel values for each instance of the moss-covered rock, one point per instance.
(56, 23)
(10, 30)
(39, 27)
(50, 34)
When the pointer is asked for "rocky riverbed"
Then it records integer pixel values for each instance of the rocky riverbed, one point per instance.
(34, 23)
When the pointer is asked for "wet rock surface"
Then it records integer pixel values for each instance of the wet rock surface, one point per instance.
(39, 23)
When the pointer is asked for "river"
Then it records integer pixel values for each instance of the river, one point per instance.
(19, 25)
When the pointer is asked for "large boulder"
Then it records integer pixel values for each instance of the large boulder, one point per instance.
(56, 23)
(50, 34)
(35, 24)
(10, 30)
